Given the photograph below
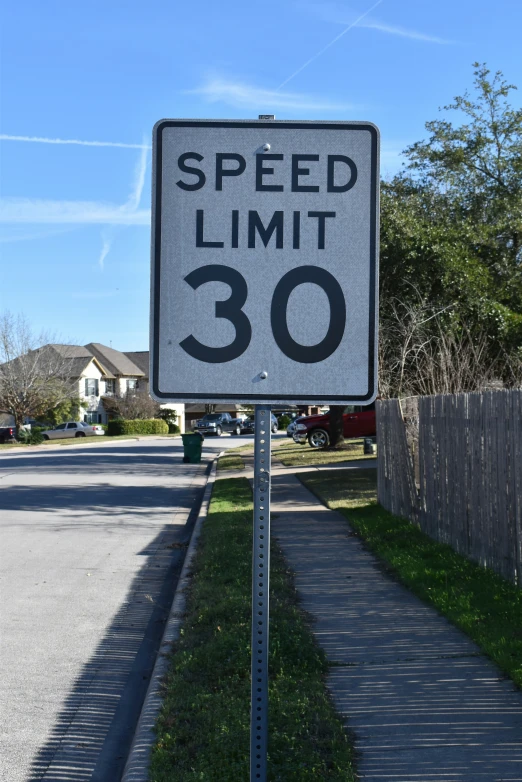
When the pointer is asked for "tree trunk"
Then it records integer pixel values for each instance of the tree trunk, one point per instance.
(336, 426)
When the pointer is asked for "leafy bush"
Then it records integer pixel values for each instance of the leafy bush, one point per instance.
(284, 421)
(174, 429)
(30, 436)
(137, 426)
(104, 427)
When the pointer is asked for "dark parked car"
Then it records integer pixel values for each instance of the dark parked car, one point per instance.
(358, 421)
(217, 423)
(247, 426)
(7, 434)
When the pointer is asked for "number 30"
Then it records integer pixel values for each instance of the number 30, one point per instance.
(231, 309)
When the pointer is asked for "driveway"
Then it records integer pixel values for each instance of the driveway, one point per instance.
(93, 539)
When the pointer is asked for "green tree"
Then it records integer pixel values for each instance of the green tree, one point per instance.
(451, 259)
(66, 410)
(34, 376)
(478, 167)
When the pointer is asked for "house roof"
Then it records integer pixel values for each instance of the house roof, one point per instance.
(141, 359)
(80, 359)
(71, 351)
(116, 361)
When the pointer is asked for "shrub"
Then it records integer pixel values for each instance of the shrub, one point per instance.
(284, 421)
(30, 437)
(174, 429)
(104, 427)
(137, 426)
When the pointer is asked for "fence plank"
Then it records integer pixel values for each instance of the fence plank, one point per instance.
(468, 468)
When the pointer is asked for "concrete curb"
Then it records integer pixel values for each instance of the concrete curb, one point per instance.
(17, 449)
(136, 768)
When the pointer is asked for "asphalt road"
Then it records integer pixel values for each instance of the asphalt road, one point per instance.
(92, 543)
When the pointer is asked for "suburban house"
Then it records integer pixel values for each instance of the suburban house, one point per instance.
(102, 371)
(123, 373)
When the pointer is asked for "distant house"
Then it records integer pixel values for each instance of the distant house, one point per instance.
(102, 371)
(125, 372)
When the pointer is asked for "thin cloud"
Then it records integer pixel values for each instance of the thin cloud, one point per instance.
(132, 204)
(107, 244)
(30, 210)
(139, 180)
(247, 96)
(40, 140)
(328, 45)
(27, 210)
(333, 13)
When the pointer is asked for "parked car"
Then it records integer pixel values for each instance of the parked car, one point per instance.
(72, 429)
(290, 429)
(217, 423)
(7, 434)
(358, 421)
(249, 425)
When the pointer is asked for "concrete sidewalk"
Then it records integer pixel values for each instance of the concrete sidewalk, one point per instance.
(422, 701)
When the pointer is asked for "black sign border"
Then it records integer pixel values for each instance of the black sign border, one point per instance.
(156, 260)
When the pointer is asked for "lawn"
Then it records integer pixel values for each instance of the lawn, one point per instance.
(76, 441)
(485, 606)
(203, 729)
(230, 461)
(293, 455)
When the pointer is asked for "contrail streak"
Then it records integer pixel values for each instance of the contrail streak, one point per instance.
(353, 24)
(39, 140)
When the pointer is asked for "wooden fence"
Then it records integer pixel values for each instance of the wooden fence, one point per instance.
(453, 465)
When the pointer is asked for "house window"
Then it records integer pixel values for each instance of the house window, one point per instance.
(110, 386)
(91, 387)
(92, 418)
(132, 384)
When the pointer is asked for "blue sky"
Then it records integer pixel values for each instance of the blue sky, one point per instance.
(74, 218)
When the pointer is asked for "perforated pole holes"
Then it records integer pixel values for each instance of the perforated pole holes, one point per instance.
(260, 595)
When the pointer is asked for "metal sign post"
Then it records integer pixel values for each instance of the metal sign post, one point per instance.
(260, 595)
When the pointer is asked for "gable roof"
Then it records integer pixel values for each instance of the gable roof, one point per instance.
(78, 358)
(116, 361)
(71, 351)
(141, 359)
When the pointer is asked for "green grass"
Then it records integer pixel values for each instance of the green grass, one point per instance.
(241, 448)
(293, 455)
(230, 461)
(75, 440)
(485, 606)
(204, 727)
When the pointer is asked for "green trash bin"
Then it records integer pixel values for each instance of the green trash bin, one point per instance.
(192, 446)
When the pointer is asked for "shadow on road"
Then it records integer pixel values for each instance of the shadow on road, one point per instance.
(95, 504)
(94, 730)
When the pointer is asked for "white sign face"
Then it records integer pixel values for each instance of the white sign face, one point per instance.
(265, 261)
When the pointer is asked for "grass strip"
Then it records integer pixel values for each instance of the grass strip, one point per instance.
(230, 461)
(241, 448)
(204, 727)
(482, 604)
(292, 454)
(84, 440)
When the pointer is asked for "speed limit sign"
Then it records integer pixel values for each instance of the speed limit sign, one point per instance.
(264, 261)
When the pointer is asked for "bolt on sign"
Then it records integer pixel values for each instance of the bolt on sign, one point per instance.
(265, 261)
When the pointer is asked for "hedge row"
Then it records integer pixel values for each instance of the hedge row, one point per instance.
(138, 426)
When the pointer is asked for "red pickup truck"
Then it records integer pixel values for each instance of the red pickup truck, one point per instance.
(358, 421)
